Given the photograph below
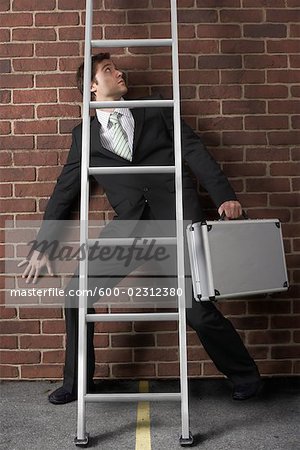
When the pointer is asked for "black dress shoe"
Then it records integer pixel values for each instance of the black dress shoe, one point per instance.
(246, 390)
(61, 396)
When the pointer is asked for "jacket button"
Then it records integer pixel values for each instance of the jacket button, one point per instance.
(145, 189)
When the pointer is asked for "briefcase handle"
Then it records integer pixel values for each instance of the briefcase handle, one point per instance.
(244, 216)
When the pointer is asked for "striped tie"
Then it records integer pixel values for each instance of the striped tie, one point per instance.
(120, 142)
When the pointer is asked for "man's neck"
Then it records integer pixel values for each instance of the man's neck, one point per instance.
(109, 100)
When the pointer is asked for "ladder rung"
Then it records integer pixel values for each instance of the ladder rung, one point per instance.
(131, 43)
(112, 317)
(149, 396)
(133, 104)
(130, 169)
(129, 241)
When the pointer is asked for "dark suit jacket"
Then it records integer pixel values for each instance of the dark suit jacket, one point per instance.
(128, 194)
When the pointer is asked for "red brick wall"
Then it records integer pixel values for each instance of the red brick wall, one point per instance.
(240, 88)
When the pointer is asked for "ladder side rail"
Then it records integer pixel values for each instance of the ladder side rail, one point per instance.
(84, 205)
(179, 227)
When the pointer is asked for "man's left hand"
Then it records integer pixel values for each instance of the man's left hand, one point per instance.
(232, 209)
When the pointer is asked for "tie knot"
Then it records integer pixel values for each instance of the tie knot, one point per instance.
(114, 117)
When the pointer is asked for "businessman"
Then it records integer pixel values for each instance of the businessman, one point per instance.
(142, 136)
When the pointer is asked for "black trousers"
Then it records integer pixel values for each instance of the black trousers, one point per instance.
(216, 333)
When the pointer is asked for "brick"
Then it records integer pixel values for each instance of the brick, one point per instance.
(5, 159)
(19, 357)
(283, 76)
(5, 190)
(39, 313)
(8, 313)
(127, 32)
(265, 61)
(266, 91)
(4, 5)
(36, 159)
(241, 15)
(267, 154)
(35, 65)
(5, 66)
(150, 16)
(218, 3)
(199, 77)
(285, 352)
(12, 81)
(9, 372)
(41, 341)
(242, 46)
(5, 96)
(198, 46)
(236, 169)
(35, 96)
(110, 356)
(154, 326)
(17, 174)
(34, 34)
(283, 46)
(53, 327)
(10, 50)
(288, 15)
(53, 142)
(219, 92)
(33, 5)
(5, 128)
(136, 340)
(111, 17)
(265, 30)
(250, 322)
(242, 76)
(10, 342)
(58, 111)
(223, 123)
(284, 200)
(218, 31)
(156, 354)
(269, 337)
(69, 4)
(287, 169)
(268, 185)
(243, 107)
(16, 19)
(46, 371)
(20, 327)
(4, 35)
(57, 19)
(296, 122)
(285, 322)
(53, 356)
(269, 307)
(134, 4)
(197, 16)
(152, 78)
(57, 49)
(283, 137)
(200, 107)
(73, 34)
(266, 122)
(36, 127)
(16, 112)
(14, 143)
(133, 370)
(167, 339)
(264, 3)
(55, 80)
(17, 205)
(67, 125)
(294, 30)
(220, 62)
(294, 61)
(244, 138)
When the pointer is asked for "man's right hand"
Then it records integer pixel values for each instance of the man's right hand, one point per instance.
(34, 266)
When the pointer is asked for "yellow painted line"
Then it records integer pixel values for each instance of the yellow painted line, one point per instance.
(143, 435)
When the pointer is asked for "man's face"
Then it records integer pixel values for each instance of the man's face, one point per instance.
(108, 84)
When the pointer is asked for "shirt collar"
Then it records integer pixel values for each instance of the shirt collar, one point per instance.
(103, 115)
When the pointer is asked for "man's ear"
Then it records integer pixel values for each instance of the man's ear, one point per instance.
(93, 86)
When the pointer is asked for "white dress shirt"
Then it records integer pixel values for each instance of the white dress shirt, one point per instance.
(106, 132)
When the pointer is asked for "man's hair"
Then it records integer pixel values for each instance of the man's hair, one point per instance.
(96, 59)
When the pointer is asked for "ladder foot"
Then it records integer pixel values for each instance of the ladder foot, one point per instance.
(82, 442)
(186, 442)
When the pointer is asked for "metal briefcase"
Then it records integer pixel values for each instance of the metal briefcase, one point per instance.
(234, 258)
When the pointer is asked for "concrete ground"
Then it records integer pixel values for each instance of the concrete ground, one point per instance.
(268, 422)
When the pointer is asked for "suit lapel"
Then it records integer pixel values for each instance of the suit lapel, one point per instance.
(139, 117)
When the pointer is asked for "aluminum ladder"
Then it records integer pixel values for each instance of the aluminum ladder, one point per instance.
(82, 437)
